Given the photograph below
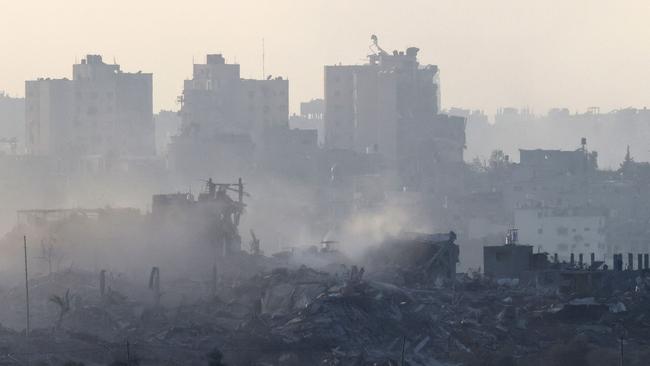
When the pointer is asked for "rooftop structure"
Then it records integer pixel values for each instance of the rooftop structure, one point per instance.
(508, 260)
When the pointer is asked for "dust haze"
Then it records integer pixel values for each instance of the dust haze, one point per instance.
(324, 183)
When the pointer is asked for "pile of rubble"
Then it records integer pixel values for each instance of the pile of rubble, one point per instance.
(302, 316)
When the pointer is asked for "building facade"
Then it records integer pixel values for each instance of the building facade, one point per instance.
(217, 101)
(390, 106)
(102, 111)
(12, 122)
(564, 231)
(49, 116)
(310, 118)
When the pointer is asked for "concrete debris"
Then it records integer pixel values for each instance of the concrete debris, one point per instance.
(401, 302)
(300, 316)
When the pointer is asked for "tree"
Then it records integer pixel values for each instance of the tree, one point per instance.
(498, 160)
(64, 305)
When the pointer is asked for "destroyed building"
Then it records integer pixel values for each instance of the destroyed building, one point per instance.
(416, 258)
(212, 218)
(402, 300)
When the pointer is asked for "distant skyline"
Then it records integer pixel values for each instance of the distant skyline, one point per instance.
(491, 54)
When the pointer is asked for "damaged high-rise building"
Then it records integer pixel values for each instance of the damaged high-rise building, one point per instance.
(390, 106)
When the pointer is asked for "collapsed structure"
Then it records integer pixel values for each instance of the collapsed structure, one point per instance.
(213, 216)
(403, 302)
(418, 258)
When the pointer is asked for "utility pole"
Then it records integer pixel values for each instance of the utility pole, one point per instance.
(128, 353)
(620, 340)
(213, 281)
(622, 336)
(26, 300)
(403, 348)
(26, 286)
(154, 285)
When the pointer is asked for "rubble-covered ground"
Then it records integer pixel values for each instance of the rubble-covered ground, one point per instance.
(301, 316)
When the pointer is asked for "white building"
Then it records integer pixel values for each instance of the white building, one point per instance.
(102, 111)
(217, 101)
(564, 231)
(48, 116)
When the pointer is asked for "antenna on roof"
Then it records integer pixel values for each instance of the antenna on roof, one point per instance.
(375, 43)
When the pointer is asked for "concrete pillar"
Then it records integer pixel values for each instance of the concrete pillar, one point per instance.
(630, 261)
(573, 260)
(593, 259)
(639, 262)
(646, 258)
(580, 260)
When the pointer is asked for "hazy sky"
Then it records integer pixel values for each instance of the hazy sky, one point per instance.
(571, 53)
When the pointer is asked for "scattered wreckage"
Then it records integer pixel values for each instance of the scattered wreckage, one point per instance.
(302, 316)
(401, 304)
